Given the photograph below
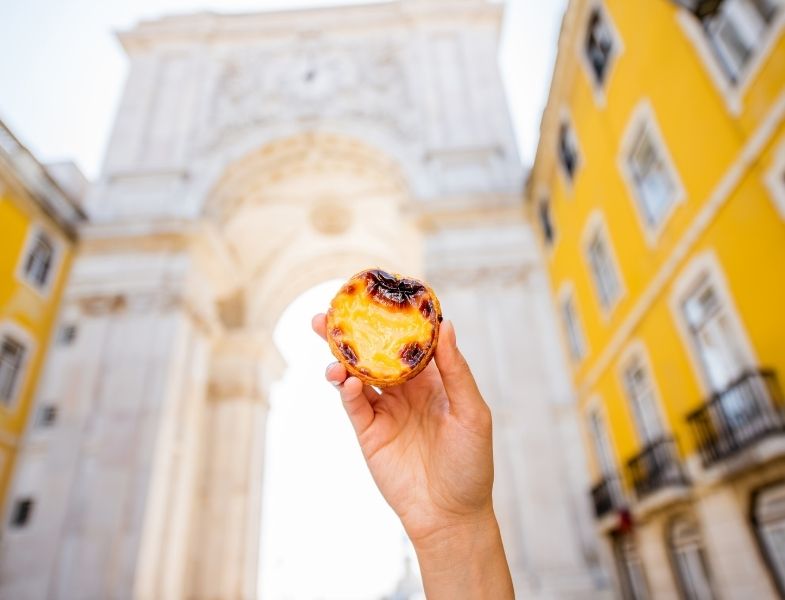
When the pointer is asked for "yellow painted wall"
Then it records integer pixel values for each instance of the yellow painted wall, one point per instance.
(24, 306)
(705, 139)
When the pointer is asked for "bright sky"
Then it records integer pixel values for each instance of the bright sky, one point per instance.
(327, 532)
(328, 535)
(62, 69)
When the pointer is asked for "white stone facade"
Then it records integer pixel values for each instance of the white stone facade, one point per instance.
(253, 157)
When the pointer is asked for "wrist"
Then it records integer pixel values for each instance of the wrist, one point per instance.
(465, 559)
(456, 533)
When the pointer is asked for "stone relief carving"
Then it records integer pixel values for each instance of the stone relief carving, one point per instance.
(312, 81)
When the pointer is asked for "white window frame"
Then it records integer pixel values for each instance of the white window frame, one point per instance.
(596, 226)
(775, 495)
(706, 267)
(678, 547)
(599, 88)
(775, 180)
(567, 294)
(22, 336)
(54, 271)
(595, 406)
(565, 120)
(643, 118)
(732, 93)
(628, 582)
(637, 353)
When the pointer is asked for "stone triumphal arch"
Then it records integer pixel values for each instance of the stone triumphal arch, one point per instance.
(254, 156)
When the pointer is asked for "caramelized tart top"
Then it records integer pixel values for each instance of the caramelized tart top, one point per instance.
(383, 327)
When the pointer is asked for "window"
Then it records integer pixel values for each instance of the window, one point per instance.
(631, 574)
(546, 221)
(714, 336)
(602, 444)
(66, 335)
(769, 519)
(736, 29)
(39, 260)
(599, 46)
(21, 513)
(603, 270)
(643, 401)
(654, 184)
(689, 561)
(568, 151)
(47, 415)
(572, 326)
(12, 355)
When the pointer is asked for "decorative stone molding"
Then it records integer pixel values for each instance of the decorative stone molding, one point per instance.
(310, 80)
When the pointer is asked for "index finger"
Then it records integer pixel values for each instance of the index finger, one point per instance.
(319, 325)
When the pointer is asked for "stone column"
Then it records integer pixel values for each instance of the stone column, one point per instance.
(226, 531)
(110, 479)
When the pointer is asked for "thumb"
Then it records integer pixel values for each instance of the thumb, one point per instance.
(462, 391)
(357, 405)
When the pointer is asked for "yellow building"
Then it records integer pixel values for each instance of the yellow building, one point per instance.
(38, 219)
(659, 191)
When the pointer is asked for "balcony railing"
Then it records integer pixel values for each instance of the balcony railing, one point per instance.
(656, 467)
(748, 410)
(607, 496)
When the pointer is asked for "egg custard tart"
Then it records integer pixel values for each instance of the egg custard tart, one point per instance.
(383, 327)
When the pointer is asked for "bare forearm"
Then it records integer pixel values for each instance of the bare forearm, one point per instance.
(465, 561)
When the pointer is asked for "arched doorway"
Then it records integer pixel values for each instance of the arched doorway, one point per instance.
(289, 215)
(322, 513)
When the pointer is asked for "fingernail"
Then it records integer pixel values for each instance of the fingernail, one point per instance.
(451, 336)
(335, 382)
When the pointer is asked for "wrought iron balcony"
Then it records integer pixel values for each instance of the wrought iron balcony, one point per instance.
(749, 409)
(607, 496)
(656, 467)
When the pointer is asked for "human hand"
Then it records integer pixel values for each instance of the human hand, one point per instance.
(428, 446)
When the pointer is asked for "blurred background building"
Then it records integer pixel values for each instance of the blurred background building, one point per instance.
(39, 218)
(659, 190)
(255, 156)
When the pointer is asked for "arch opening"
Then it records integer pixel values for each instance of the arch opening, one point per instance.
(291, 216)
(322, 514)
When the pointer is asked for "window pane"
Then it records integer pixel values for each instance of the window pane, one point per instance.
(715, 337)
(572, 326)
(603, 270)
(656, 189)
(643, 402)
(568, 151)
(546, 223)
(602, 443)
(39, 261)
(599, 46)
(631, 569)
(11, 356)
(770, 519)
(774, 537)
(22, 512)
